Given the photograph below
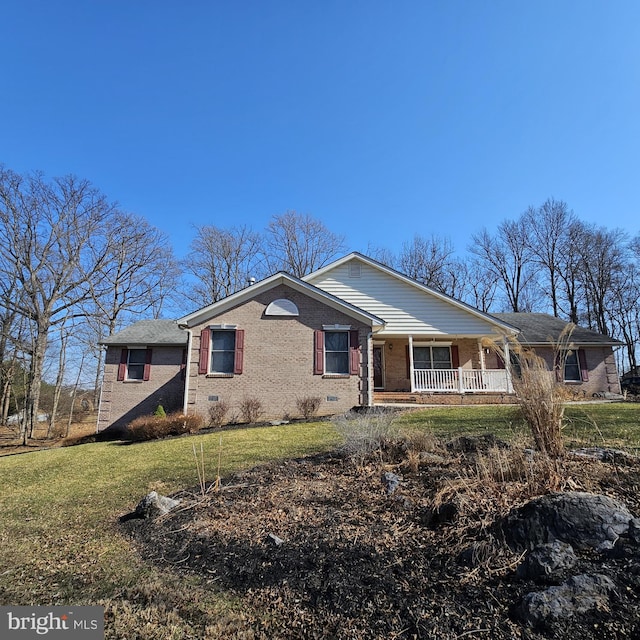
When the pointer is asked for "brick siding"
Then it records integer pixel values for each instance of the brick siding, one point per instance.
(278, 361)
(122, 401)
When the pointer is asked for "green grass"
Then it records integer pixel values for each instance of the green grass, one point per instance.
(606, 424)
(59, 536)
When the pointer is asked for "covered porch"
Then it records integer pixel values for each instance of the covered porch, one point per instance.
(443, 365)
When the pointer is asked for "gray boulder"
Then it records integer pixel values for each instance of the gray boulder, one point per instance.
(583, 520)
(154, 504)
(577, 595)
(546, 560)
(391, 481)
(605, 454)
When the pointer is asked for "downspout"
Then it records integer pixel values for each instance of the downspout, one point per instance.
(187, 370)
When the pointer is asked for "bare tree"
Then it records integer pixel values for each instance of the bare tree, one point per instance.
(603, 262)
(482, 286)
(138, 273)
(427, 260)
(383, 255)
(508, 258)
(548, 240)
(299, 244)
(223, 260)
(52, 236)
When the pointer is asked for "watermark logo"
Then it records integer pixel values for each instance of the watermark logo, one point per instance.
(52, 623)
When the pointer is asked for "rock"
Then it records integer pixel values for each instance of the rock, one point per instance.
(275, 540)
(154, 504)
(583, 520)
(613, 456)
(391, 481)
(607, 395)
(547, 559)
(577, 595)
(433, 458)
(634, 530)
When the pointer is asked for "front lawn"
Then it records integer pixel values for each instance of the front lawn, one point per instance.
(60, 542)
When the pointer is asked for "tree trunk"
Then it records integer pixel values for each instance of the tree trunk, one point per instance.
(59, 383)
(32, 400)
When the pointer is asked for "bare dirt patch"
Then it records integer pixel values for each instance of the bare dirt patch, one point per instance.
(79, 430)
(319, 548)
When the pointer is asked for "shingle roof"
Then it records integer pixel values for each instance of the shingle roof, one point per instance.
(541, 328)
(149, 332)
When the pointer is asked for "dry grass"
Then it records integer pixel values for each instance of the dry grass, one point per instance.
(364, 432)
(540, 396)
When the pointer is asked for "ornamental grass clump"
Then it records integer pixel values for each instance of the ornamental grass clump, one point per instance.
(539, 394)
(541, 401)
(365, 433)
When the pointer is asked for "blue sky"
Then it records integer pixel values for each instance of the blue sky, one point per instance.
(383, 119)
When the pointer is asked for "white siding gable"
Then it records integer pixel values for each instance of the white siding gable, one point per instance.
(406, 309)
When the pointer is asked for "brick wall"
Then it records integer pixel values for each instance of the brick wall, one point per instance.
(122, 401)
(278, 361)
(603, 372)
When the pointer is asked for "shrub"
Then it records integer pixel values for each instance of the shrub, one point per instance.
(217, 413)
(153, 427)
(160, 412)
(308, 406)
(251, 410)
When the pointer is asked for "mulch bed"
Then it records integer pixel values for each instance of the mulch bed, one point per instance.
(318, 548)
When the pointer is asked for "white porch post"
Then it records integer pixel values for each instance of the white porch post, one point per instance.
(411, 375)
(507, 363)
(370, 369)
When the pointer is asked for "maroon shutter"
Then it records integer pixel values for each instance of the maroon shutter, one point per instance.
(122, 367)
(239, 354)
(500, 362)
(203, 363)
(354, 353)
(584, 370)
(147, 365)
(406, 352)
(455, 356)
(318, 361)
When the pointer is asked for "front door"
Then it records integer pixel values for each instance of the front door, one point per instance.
(378, 368)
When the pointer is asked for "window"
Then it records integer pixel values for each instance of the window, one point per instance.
(337, 351)
(432, 357)
(135, 364)
(572, 367)
(221, 351)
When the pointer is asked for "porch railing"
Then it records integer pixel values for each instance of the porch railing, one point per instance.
(462, 380)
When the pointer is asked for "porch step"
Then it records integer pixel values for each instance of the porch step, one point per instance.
(401, 397)
(382, 397)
